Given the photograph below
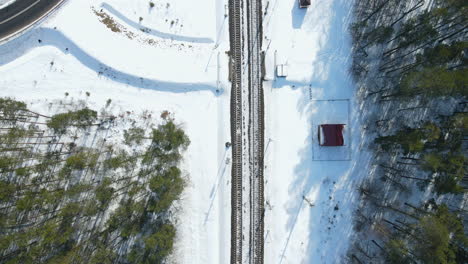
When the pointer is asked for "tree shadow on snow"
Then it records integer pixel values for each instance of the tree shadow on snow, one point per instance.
(215, 187)
(283, 82)
(51, 37)
(298, 15)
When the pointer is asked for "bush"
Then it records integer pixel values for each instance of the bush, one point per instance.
(435, 81)
(167, 142)
(162, 241)
(440, 237)
(14, 135)
(6, 163)
(134, 135)
(127, 218)
(167, 186)
(82, 160)
(450, 169)
(9, 108)
(81, 118)
(412, 140)
(103, 256)
(104, 192)
(157, 246)
(6, 191)
(169, 137)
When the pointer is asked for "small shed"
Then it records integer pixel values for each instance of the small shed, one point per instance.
(304, 3)
(331, 135)
(282, 70)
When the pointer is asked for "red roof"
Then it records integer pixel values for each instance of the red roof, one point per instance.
(331, 135)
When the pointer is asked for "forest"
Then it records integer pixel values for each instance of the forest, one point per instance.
(410, 63)
(86, 187)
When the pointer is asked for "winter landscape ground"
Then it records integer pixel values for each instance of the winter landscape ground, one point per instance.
(149, 57)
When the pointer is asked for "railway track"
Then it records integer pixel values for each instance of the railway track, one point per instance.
(256, 131)
(247, 132)
(235, 31)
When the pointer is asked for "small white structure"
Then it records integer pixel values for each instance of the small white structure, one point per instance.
(282, 70)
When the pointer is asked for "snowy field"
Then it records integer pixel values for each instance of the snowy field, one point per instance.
(310, 190)
(161, 58)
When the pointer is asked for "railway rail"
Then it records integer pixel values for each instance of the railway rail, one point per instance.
(247, 132)
(236, 129)
(256, 130)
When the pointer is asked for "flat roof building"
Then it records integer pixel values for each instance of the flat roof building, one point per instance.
(304, 3)
(331, 135)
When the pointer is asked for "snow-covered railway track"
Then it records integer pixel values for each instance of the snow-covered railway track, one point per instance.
(236, 129)
(256, 128)
(247, 129)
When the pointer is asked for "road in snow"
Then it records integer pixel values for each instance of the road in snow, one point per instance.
(15, 16)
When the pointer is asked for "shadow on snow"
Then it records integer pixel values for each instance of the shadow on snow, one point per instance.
(51, 37)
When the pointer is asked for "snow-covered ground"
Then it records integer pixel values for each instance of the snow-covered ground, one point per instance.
(310, 190)
(173, 59)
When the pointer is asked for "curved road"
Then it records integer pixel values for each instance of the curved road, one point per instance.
(22, 14)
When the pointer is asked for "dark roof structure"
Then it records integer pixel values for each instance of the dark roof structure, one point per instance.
(331, 135)
(304, 3)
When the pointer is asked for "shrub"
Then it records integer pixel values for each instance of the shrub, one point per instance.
(435, 81)
(9, 108)
(81, 118)
(6, 163)
(134, 135)
(162, 240)
(82, 160)
(167, 186)
(157, 246)
(6, 191)
(104, 192)
(167, 142)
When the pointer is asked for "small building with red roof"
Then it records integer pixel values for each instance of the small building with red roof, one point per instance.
(331, 135)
